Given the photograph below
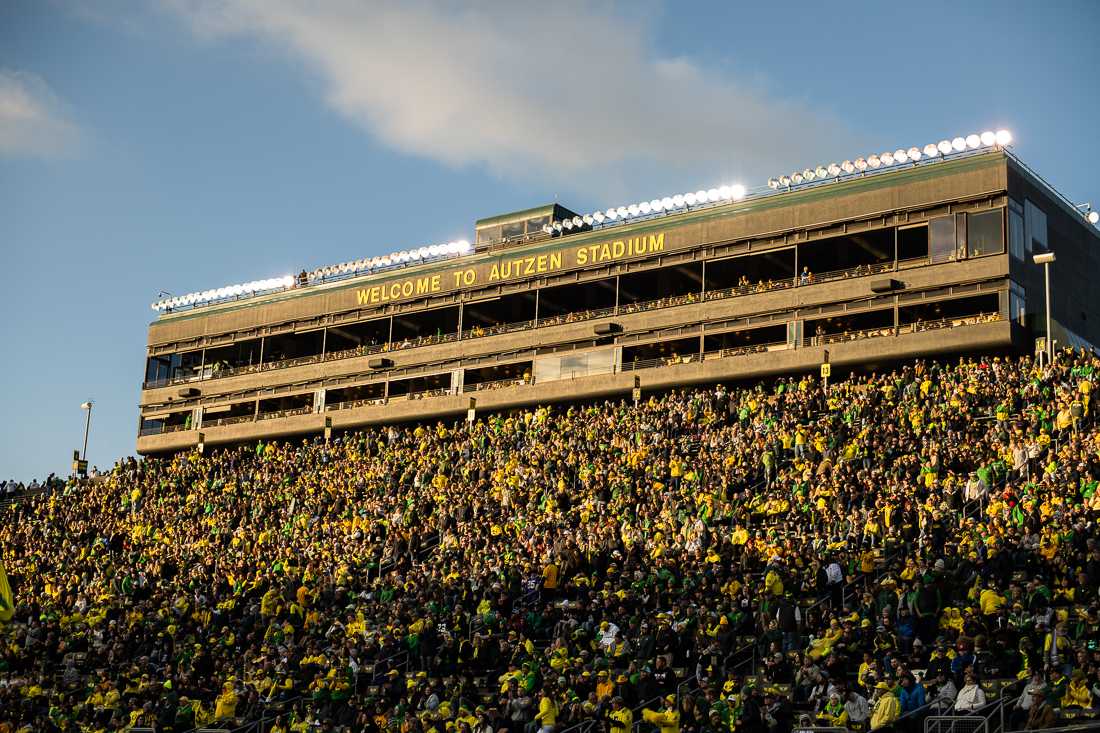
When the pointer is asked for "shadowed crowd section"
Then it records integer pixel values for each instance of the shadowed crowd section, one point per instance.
(760, 557)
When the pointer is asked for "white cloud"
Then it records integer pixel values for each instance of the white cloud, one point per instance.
(32, 119)
(536, 91)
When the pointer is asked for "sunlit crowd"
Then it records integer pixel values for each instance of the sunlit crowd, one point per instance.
(752, 558)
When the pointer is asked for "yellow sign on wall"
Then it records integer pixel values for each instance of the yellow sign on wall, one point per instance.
(511, 268)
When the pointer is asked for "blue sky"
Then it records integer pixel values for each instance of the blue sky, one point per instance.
(188, 144)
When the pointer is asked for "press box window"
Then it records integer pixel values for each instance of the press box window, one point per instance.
(985, 233)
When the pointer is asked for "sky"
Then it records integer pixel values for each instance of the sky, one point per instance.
(182, 145)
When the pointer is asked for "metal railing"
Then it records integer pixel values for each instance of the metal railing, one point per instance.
(291, 412)
(498, 384)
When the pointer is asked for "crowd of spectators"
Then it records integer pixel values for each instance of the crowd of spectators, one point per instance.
(751, 558)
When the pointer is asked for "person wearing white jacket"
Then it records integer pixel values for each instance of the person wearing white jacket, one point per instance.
(970, 697)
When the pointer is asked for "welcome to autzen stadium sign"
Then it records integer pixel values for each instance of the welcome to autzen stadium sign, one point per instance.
(512, 267)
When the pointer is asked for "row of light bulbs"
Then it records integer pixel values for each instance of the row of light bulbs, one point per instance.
(931, 151)
(229, 291)
(367, 264)
(734, 192)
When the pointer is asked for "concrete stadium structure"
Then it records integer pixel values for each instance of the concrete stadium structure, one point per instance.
(923, 259)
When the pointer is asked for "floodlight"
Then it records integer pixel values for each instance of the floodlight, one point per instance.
(633, 210)
(848, 166)
(725, 193)
(612, 214)
(689, 199)
(784, 181)
(464, 246)
(1093, 217)
(1043, 258)
(737, 192)
(713, 195)
(557, 227)
(796, 178)
(387, 261)
(656, 206)
(988, 138)
(958, 144)
(773, 183)
(1004, 137)
(809, 174)
(834, 170)
(900, 156)
(578, 222)
(914, 153)
(644, 207)
(944, 147)
(598, 217)
(873, 161)
(886, 158)
(547, 229)
(587, 219)
(568, 224)
(701, 197)
(415, 254)
(860, 164)
(821, 172)
(667, 203)
(931, 151)
(973, 141)
(623, 212)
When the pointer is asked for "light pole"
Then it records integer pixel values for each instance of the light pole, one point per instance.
(87, 425)
(1045, 259)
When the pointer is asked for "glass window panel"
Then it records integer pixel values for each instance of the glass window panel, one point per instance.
(534, 226)
(941, 236)
(1015, 231)
(985, 233)
(515, 229)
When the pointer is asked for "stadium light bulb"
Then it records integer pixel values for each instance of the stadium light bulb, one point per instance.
(796, 178)
(737, 192)
(689, 199)
(861, 164)
(623, 212)
(886, 158)
(587, 219)
(873, 161)
(578, 222)
(931, 151)
(464, 247)
(1093, 217)
(568, 224)
(725, 193)
(713, 195)
(656, 206)
(667, 203)
(773, 183)
(612, 214)
(821, 172)
(848, 166)
(958, 144)
(784, 181)
(973, 141)
(988, 138)
(913, 153)
(644, 207)
(598, 217)
(425, 252)
(387, 261)
(700, 197)
(900, 156)
(808, 174)
(834, 170)
(633, 210)
(1004, 137)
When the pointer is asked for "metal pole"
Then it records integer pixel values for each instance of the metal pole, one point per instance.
(1050, 342)
(87, 426)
